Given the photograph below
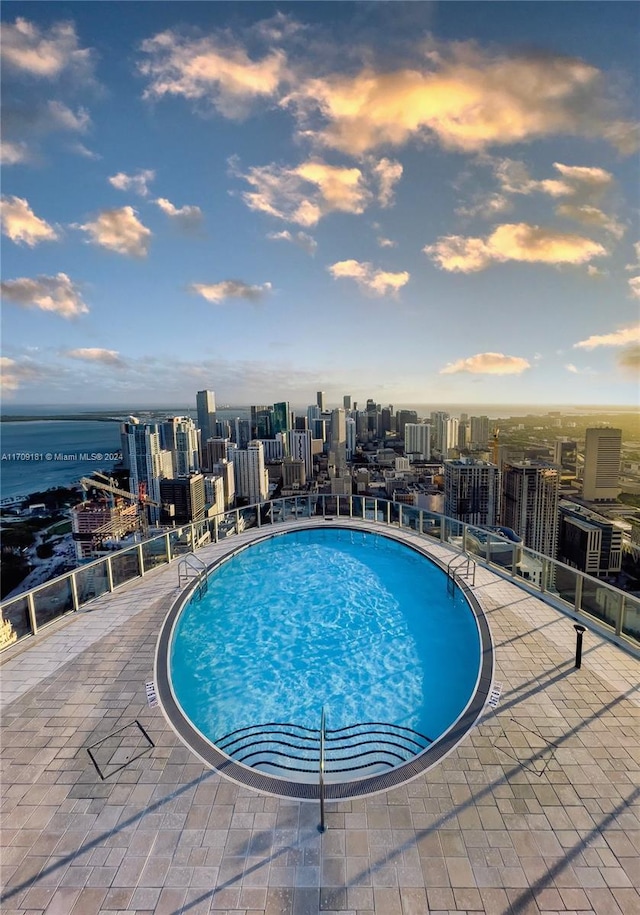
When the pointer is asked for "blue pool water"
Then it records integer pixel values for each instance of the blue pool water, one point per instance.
(353, 622)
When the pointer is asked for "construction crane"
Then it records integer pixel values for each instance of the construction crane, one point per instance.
(495, 448)
(141, 498)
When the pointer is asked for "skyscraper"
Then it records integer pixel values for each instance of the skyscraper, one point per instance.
(320, 400)
(479, 431)
(602, 448)
(180, 436)
(588, 541)
(530, 503)
(417, 440)
(472, 491)
(146, 462)
(338, 446)
(206, 407)
(251, 477)
(281, 421)
(299, 447)
(346, 401)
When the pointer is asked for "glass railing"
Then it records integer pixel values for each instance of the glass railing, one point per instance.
(615, 611)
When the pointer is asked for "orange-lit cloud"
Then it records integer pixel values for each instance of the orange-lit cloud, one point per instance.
(301, 239)
(136, 183)
(43, 53)
(620, 337)
(119, 230)
(230, 289)
(96, 354)
(218, 72)
(368, 277)
(634, 286)
(307, 192)
(188, 217)
(21, 225)
(629, 359)
(512, 242)
(488, 364)
(57, 294)
(591, 216)
(14, 374)
(462, 97)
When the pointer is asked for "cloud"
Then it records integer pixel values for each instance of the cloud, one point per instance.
(230, 289)
(136, 183)
(21, 225)
(96, 354)
(462, 97)
(368, 277)
(629, 359)
(48, 293)
(218, 72)
(63, 118)
(43, 53)
(570, 367)
(304, 241)
(386, 242)
(307, 192)
(512, 242)
(14, 374)
(86, 153)
(188, 217)
(617, 338)
(119, 230)
(13, 153)
(634, 286)
(488, 364)
(587, 183)
(596, 272)
(591, 216)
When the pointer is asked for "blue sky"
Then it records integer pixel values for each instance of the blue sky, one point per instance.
(420, 202)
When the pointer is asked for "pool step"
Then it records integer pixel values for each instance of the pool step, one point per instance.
(290, 747)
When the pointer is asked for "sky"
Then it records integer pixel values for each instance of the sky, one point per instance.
(417, 202)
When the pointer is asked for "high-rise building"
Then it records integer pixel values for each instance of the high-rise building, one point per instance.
(464, 435)
(241, 432)
(206, 408)
(346, 401)
(320, 400)
(565, 455)
(387, 420)
(293, 473)
(338, 445)
(183, 498)
(251, 477)
(417, 440)
(225, 469)
(350, 425)
(602, 449)
(439, 421)
(450, 435)
(472, 491)
(146, 462)
(261, 422)
(402, 418)
(588, 541)
(479, 431)
(281, 421)
(179, 435)
(299, 447)
(530, 503)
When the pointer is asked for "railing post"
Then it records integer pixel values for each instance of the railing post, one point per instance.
(322, 826)
(351, 506)
(141, 560)
(464, 537)
(620, 615)
(577, 600)
(237, 520)
(258, 518)
(32, 612)
(400, 515)
(543, 577)
(109, 574)
(443, 533)
(167, 547)
(74, 592)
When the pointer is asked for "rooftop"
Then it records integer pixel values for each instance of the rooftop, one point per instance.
(537, 810)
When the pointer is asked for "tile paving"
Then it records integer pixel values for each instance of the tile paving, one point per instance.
(536, 811)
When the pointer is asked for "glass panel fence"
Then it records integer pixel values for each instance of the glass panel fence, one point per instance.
(410, 517)
(631, 619)
(154, 553)
(248, 518)
(371, 513)
(394, 513)
(91, 581)
(601, 602)
(52, 601)
(125, 566)
(278, 510)
(289, 509)
(529, 567)
(14, 622)
(563, 582)
(431, 524)
(181, 541)
(227, 525)
(452, 531)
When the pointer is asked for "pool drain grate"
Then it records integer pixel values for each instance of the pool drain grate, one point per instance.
(119, 749)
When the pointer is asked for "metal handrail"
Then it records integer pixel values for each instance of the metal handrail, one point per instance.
(187, 562)
(322, 826)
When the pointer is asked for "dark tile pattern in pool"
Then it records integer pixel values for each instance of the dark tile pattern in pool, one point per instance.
(283, 787)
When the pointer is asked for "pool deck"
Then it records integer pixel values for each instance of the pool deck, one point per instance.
(537, 810)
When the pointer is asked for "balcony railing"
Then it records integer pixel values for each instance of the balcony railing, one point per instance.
(613, 611)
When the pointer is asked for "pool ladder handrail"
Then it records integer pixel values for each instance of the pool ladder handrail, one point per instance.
(462, 566)
(321, 826)
(188, 563)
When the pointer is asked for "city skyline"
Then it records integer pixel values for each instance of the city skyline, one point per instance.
(432, 202)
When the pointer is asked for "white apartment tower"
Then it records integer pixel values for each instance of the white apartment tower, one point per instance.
(530, 503)
(180, 436)
(602, 448)
(300, 449)
(146, 461)
(417, 440)
(251, 476)
(338, 444)
(472, 491)
(479, 431)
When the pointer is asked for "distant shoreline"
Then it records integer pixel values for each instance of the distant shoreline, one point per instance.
(61, 417)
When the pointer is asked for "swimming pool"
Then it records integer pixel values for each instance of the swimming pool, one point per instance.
(353, 623)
